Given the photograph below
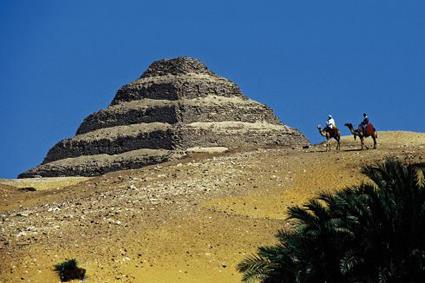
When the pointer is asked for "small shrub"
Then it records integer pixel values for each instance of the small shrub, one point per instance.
(28, 189)
(69, 270)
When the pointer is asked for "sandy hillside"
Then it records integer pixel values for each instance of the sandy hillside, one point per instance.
(190, 220)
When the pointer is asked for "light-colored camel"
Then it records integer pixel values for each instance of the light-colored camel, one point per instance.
(362, 134)
(330, 134)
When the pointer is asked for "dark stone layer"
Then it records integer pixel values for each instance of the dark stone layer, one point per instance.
(157, 139)
(176, 88)
(179, 112)
(220, 113)
(126, 116)
(180, 136)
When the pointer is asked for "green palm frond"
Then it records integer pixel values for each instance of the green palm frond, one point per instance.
(349, 262)
(420, 177)
(302, 216)
(254, 267)
(372, 232)
(318, 210)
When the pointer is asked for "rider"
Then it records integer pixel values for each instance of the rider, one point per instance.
(330, 123)
(364, 123)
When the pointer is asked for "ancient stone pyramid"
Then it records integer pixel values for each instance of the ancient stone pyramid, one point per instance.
(175, 106)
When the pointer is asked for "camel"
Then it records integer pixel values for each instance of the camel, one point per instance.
(330, 134)
(368, 132)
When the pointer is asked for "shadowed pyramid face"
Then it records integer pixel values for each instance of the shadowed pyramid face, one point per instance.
(174, 106)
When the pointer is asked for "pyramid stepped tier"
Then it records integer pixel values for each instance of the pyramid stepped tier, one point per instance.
(176, 105)
(156, 135)
(205, 109)
(94, 165)
(233, 134)
(176, 87)
(114, 140)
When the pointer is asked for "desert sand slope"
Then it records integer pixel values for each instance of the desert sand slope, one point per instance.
(190, 220)
(43, 183)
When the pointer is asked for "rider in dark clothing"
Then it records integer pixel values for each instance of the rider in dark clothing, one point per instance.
(364, 123)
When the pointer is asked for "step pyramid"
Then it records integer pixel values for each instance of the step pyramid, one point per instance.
(176, 105)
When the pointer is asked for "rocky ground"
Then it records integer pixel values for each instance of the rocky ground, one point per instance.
(190, 220)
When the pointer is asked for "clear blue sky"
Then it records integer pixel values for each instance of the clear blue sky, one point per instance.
(62, 60)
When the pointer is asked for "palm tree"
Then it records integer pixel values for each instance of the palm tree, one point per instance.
(368, 233)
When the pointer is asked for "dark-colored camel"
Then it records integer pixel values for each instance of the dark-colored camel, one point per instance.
(369, 131)
(330, 134)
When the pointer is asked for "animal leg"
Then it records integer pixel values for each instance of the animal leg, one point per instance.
(338, 144)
